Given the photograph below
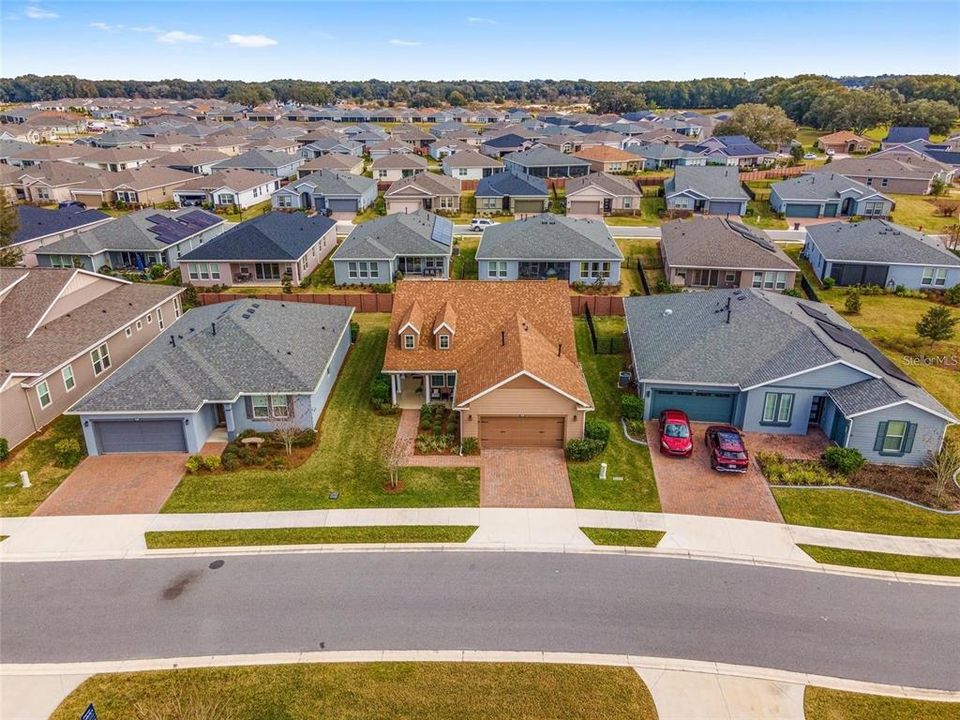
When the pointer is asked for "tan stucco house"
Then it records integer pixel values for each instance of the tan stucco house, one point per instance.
(502, 355)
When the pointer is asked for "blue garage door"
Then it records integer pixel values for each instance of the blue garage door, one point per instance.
(342, 205)
(798, 210)
(132, 436)
(724, 208)
(700, 406)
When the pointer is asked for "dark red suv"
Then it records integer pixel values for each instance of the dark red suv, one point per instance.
(676, 437)
(728, 453)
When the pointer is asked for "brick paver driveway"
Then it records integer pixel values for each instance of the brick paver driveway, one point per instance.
(117, 484)
(524, 477)
(690, 487)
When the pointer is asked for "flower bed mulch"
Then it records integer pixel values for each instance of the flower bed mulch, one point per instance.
(913, 484)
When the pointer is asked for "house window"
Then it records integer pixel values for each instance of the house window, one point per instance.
(363, 270)
(227, 199)
(260, 404)
(463, 172)
(884, 181)
(381, 174)
(159, 319)
(100, 357)
(69, 382)
(895, 437)
(279, 403)
(627, 203)
(489, 203)
(409, 341)
(43, 394)
(497, 269)
(128, 332)
(781, 280)
(777, 408)
(595, 270)
(149, 319)
(934, 276)
(265, 271)
(61, 261)
(284, 201)
(729, 277)
(451, 381)
(443, 342)
(139, 325)
(436, 381)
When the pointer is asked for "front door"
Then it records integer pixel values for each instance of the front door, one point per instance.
(816, 410)
(838, 433)
(221, 415)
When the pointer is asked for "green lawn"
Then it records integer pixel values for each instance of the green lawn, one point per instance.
(310, 536)
(248, 214)
(37, 457)
(637, 490)
(883, 561)
(850, 510)
(649, 207)
(351, 691)
(916, 211)
(646, 249)
(347, 459)
(822, 704)
(763, 216)
(623, 537)
(464, 265)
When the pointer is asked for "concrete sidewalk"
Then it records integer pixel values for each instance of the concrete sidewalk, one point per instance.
(121, 536)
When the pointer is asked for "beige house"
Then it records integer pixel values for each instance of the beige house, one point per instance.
(332, 161)
(393, 167)
(894, 171)
(423, 191)
(149, 185)
(502, 355)
(64, 331)
(599, 194)
(608, 159)
(844, 141)
(52, 182)
(712, 252)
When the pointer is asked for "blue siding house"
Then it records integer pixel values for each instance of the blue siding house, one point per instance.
(772, 363)
(248, 364)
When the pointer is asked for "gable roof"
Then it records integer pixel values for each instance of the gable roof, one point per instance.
(427, 182)
(548, 237)
(616, 185)
(237, 179)
(504, 184)
(709, 181)
(540, 156)
(271, 236)
(331, 182)
(332, 161)
(419, 232)
(503, 330)
(715, 242)
(735, 145)
(470, 159)
(903, 164)
(879, 241)
(220, 351)
(35, 222)
(605, 153)
(905, 134)
(399, 161)
(823, 186)
(259, 159)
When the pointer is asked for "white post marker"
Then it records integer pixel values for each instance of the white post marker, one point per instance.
(603, 471)
(25, 479)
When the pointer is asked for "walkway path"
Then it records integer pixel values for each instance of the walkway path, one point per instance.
(407, 431)
(121, 536)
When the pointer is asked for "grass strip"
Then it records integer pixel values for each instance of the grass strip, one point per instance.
(823, 704)
(883, 561)
(623, 537)
(310, 536)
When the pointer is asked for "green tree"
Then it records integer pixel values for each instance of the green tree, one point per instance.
(938, 323)
(456, 99)
(852, 302)
(10, 256)
(769, 127)
(616, 98)
(938, 115)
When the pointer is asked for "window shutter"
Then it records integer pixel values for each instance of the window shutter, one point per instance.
(881, 434)
(908, 438)
(248, 404)
(291, 409)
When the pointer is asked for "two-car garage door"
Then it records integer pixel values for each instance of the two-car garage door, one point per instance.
(505, 432)
(699, 406)
(130, 436)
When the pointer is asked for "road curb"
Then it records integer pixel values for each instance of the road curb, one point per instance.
(520, 656)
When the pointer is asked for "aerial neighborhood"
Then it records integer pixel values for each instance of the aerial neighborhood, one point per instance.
(250, 303)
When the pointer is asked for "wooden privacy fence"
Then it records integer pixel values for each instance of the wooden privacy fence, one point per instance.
(383, 302)
(774, 173)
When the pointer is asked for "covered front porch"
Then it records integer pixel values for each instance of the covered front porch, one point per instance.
(409, 391)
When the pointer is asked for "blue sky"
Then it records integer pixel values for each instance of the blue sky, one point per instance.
(491, 40)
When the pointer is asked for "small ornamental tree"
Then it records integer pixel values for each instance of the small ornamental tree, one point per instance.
(937, 324)
(852, 302)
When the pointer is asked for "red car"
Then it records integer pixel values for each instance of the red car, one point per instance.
(675, 436)
(728, 453)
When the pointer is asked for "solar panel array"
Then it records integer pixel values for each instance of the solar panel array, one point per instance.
(442, 231)
(815, 314)
(174, 229)
(855, 341)
(752, 236)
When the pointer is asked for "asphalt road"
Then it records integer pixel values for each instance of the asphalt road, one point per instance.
(809, 622)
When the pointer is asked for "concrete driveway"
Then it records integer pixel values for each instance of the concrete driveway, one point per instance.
(118, 484)
(524, 477)
(689, 486)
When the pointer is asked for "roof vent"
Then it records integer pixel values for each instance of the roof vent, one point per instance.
(668, 312)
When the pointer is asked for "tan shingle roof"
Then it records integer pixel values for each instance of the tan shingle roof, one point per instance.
(502, 329)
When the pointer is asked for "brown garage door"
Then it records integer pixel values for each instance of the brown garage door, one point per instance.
(528, 206)
(500, 432)
(584, 207)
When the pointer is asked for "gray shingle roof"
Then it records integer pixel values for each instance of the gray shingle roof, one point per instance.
(822, 186)
(614, 184)
(548, 237)
(275, 236)
(398, 234)
(878, 241)
(713, 182)
(259, 159)
(864, 396)
(714, 242)
(504, 184)
(660, 151)
(399, 161)
(258, 347)
(542, 156)
(332, 182)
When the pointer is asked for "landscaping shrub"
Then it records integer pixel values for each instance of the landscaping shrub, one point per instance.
(4, 449)
(69, 452)
(426, 444)
(852, 302)
(952, 296)
(597, 430)
(631, 407)
(156, 271)
(636, 429)
(277, 463)
(354, 331)
(793, 292)
(795, 472)
(195, 464)
(845, 461)
(663, 286)
(584, 449)
(211, 462)
(305, 438)
(380, 391)
(470, 446)
(829, 282)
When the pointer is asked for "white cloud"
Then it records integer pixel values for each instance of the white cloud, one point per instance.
(251, 41)
(143, 29)
(105, 26)
(405, 43)
(481, 21)
(35, 12)
(178, 36)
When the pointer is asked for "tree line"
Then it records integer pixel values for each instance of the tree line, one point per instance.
(815, 100)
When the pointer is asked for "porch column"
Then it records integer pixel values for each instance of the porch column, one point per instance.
(426, 387)
(231, 423)
(394, 382)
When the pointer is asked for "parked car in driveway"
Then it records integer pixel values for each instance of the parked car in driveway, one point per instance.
(809, 156)
(676, 438)
(728, 452)
(478, 224)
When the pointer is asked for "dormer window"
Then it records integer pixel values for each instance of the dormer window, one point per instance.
(409, 341)
(443, 341)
